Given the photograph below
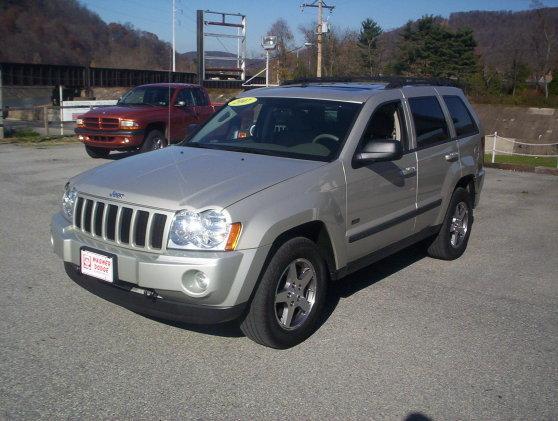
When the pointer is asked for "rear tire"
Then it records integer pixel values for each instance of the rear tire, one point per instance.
(94, 152)
(451, 241)
(288, 303)
(153, 141)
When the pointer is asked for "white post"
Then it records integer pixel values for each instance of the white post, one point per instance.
(494, 148)
(61, 113)
(266, 68)
(173, 39)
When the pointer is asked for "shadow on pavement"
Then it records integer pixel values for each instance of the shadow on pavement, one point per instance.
(341, 289)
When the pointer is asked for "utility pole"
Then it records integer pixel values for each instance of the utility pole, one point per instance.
(173, 40)
(1, 107)
(320, 4)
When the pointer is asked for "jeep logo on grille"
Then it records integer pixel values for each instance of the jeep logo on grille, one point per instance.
(116, 195)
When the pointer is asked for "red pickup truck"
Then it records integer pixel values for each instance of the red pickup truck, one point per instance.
(147, 117)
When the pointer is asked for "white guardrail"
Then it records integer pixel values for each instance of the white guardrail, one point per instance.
(495, 138)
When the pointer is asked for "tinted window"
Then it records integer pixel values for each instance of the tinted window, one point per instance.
(199, 97)
(386, 123)
(147, 95)
(430, 122)
(291, 127)
(185, 95)
(462, 120)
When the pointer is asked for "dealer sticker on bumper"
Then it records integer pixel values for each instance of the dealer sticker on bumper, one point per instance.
(97, 265)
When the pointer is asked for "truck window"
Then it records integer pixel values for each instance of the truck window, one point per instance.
(199, 97)
(387, 123)
(185, 95)
(462, 119)
(429, 119)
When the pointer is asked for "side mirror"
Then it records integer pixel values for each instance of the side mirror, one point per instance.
(377, 150)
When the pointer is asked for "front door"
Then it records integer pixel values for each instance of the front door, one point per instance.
(381, 196)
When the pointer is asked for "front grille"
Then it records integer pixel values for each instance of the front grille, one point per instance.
(91, 122)
(101, 123)
(121, 224)
(109, 123)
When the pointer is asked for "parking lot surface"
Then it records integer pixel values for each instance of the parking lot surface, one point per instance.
(475, 338)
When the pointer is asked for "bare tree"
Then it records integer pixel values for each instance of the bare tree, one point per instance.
(280, 28)
(543, 42)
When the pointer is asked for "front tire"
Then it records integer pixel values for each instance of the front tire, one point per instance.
(94, 152)
(288, 303)
(451, 241)
(153, 141)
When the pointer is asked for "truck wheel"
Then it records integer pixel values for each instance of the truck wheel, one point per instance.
(153, 141)
(94, 152)
(451, 241)
(290, 298)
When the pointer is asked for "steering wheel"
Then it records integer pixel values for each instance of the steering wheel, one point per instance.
(325, 136)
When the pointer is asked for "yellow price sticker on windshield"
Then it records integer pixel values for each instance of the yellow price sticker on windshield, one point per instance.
(242, 101)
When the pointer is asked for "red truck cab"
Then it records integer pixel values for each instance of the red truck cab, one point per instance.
(148, 117)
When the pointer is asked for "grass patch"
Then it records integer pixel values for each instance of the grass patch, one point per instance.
(24, 133)
(528, 161)
(39, 140)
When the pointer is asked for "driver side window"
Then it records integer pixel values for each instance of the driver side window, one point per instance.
(387, 123)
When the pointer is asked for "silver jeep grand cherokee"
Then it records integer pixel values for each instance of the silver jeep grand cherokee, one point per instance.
(284, 190)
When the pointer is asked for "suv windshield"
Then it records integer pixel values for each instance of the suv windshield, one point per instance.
(147, 95)
(290, 127)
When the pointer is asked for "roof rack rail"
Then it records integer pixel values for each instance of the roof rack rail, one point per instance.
(390, 81)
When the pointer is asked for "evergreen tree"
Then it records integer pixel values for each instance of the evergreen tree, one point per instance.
(368, 42)
(429, 49)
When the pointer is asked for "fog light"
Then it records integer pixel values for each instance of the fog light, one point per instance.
(195, 282)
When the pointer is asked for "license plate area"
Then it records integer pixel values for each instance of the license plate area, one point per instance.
(98, 264)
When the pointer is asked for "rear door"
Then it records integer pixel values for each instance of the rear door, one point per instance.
(182, 114)
(202, 106)
(437, 154)
(381, 196)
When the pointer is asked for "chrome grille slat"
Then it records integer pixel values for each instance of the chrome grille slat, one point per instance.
(104, 223)
(117, 225)
(148, 230)
(132, 234)
(93, 219)
(104, 220)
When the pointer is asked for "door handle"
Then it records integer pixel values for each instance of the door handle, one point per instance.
(409, 171)
(452, 157)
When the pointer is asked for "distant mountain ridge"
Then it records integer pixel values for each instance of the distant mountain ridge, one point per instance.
(66, 32)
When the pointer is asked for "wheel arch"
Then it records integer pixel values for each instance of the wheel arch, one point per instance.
(157, 125)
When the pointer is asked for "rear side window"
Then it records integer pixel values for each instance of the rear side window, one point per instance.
(430, 122)
(462, 119)
(199, 97)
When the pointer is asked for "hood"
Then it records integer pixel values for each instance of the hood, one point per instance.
(176, 177)
(123, 111)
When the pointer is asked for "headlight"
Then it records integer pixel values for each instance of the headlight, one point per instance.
(208, 230)
(79, 122)
(128, 124)
(68, 202)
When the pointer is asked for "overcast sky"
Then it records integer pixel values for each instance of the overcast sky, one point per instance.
(155, 15)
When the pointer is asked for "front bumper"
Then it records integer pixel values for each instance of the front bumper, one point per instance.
(120, 139)
(145, 302)
(151, 283)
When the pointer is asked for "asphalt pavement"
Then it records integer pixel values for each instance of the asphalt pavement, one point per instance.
(407, 338)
